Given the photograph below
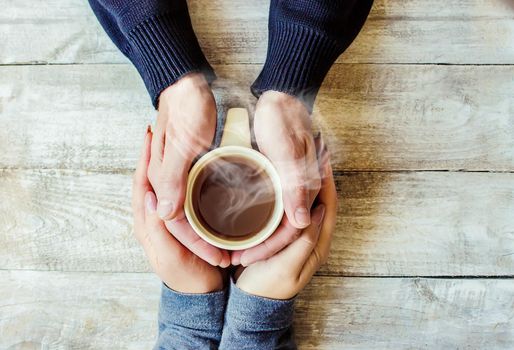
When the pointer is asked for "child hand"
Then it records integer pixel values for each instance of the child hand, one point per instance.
(285, 274)
(177, 267)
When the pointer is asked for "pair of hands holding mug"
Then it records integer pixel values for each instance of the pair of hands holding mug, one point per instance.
(185, 128)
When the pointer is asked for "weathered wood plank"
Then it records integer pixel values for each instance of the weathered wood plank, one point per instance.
(45, 310)
(119, 311)
(374, 117)
(413, 31)
(356, 313)
(420, 117)
(400, 224)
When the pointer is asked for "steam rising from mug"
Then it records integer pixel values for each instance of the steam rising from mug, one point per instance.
(234, 198)
(231, 202)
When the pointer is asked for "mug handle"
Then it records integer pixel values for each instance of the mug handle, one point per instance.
(236, 131)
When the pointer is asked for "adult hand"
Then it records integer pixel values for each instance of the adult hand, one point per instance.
(178, 267)
(294, 266)
(185, 128)
(283, 131)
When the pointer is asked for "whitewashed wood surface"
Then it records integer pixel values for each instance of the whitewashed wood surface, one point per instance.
(419, 115)
(398, 31)
(389, 224)
(40, 310)
(374, 117)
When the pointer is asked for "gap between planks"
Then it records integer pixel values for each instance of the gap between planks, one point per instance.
(129, 171)
(21, 64)
(323, 274)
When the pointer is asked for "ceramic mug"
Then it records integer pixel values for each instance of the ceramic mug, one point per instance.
(235, 141)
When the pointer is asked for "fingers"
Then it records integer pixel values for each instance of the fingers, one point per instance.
(156, 240)
(283, 236)
(235, 257)
(297, 166)
(328, 197)
(313, 172)
(185, 234)
(172, 179)
(140, 184)
(298, 252)
(296, 195)
(184, 135)
(323, 156)
(158, 143)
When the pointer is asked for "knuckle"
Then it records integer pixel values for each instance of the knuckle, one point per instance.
(167, 181)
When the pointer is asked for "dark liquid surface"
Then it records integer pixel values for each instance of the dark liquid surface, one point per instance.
(233, 198)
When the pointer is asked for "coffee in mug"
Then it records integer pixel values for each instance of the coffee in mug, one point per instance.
(234, 195)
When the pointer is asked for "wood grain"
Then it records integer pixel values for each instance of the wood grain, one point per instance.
(73, 276)
(389, 224)
(119, 311)
(413, 31)
(374, 117)
(52, 310)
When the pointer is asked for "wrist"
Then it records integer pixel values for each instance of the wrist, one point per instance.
(272, 289)
(272, 293)
(278, 108)
(194, 289)
(200, 285)
(282, 100)
(189, 83)
(191, 93)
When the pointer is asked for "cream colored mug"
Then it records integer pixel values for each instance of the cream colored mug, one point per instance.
(235, 141)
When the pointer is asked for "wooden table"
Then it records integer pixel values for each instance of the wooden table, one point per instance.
(419, 115)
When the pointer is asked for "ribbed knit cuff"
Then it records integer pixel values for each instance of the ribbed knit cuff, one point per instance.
(297, 61)
(196, 311)
(165, 48)
(253, 313)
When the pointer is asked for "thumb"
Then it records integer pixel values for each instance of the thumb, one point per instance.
(293, 175)
(158, 235)
(171, 188)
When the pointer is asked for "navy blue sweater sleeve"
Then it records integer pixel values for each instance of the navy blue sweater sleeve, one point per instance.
(305, 38)
(157, 37)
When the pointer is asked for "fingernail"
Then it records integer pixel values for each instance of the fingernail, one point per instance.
(317, 218)
(148, 129)
(302, 216)
(164, 208)
(244, 261)
(150, 202)
(236, 260)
